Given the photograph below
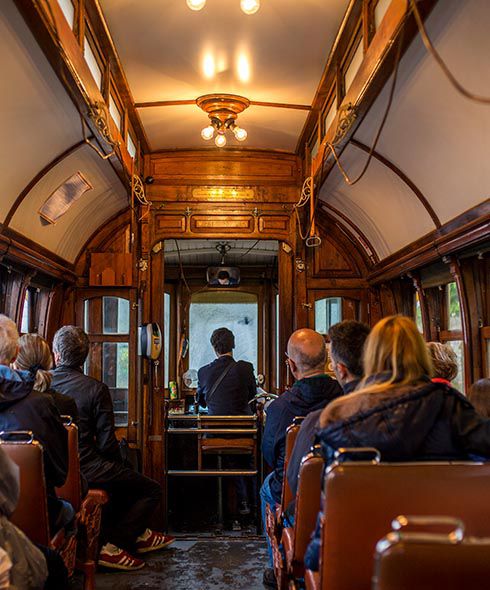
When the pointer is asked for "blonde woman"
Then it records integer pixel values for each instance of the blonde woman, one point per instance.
(399, 410)
(444, 362)
(34, 356)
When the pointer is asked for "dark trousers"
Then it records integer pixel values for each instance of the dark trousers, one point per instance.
(133, 498)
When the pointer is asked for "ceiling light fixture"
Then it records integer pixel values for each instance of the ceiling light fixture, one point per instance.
(247, 6)
(222, 110)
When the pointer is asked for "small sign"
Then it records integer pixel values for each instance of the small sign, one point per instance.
(223, 193)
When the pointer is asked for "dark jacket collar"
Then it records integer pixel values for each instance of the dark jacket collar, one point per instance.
(14, 386)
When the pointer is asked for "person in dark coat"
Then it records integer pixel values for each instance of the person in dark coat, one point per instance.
(225, 387)
(312, 390)
(24, 408)
(399, 410)
(347, 340)
(133, 498)
(236, 385)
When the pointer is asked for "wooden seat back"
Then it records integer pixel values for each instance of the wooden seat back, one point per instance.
(291, 435)
(71, 490)
(426, 561)
(31, 512)
(361, 500)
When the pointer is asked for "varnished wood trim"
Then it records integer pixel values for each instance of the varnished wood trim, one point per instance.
(257, 103)
(403, 177)
(30, 185)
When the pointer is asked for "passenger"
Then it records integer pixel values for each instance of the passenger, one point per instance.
(444, 362)
(313, 389)
(347, 340)
(133, 497)
(399, 410)
(23, 407)
(28, 569)
(34, 355)
(479, 396)
(225, 387)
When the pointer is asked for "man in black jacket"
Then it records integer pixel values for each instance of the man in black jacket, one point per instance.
(225, 387)
(133, 497)
(22, 408)
(346, 347)
(312, 391)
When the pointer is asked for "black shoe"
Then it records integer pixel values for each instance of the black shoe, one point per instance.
(269, 578)
(244, 508)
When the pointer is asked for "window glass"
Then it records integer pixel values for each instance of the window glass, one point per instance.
(115, 374)
(418, 314)
(379, 11)
(26, 312)
(130, 144)
(236, 311)
(329, 117)
(115, 316)
(68, 10)
(457, 346)
(314, 148)
(328, 312)
(453, 308)
(166, 336)
(353, 66)
(93, 64)
(115, 112)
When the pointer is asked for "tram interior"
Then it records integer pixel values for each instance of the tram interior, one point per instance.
(172, 168)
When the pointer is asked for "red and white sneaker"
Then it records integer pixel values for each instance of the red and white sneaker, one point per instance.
(152, 541)
(118, 559)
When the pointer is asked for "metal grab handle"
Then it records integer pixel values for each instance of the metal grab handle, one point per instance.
(6, 434)
(372, 454)
(67, 420)
(456, 535)
(313, 241)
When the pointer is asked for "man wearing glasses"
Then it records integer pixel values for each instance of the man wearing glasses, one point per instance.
(313, 389)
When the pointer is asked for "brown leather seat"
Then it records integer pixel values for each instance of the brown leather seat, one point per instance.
(362, 499)
(295, 539)
(88, 509)
(426, 561)
(274, 519)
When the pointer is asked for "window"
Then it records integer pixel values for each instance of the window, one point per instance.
(131, 145)
(115, 112)
(329, 117)
(92, 62)
(353, 67)
(166, 337)
(453, 308)
(328, 311)
(457, 346)
(68, 10)
(107, 323)
(237, 311)
(379, 12)
(314, 147)
(26, 313)
(418, 313)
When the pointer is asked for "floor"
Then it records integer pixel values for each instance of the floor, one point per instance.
(197, 563)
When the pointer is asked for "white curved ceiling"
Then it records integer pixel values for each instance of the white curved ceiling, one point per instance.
(39, 122)
(439, 139)
(162, 46)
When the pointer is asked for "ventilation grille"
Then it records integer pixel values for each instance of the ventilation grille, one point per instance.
(63, 197)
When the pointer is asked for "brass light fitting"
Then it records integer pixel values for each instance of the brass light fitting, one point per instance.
(222, 110)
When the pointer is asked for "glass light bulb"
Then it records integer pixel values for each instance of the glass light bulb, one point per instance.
(240, 133)
(208, 132)
(220, 140)
(249, 6)
(196, 4)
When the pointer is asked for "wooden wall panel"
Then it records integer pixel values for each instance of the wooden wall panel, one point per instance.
(170, 223)
(221, 224)
(329, 260)
(269, 224)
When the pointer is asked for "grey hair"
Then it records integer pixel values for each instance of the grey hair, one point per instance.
(9, 339)
(71, 344)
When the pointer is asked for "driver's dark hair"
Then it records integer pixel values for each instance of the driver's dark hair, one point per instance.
(223, 274)
(347, 344)
(223, 340)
